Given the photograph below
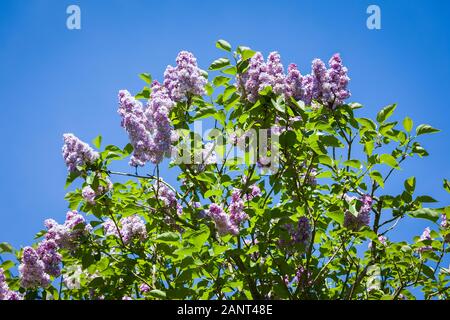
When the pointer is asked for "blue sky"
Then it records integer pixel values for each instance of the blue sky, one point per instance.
(54, 80)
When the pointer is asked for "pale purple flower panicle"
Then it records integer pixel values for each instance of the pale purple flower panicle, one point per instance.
(237, 214)
(260, 75)
(161, 131)
(273, 74)
(339, 79)
(222, 220)
(300, 234)
(88, 195)
(149, 130)
(144, 288)
(136, 124)
(355, 223)
(168, 197)
(294, 83)
(77, 153)
(133, 228)
(185, 79)
(32, 270)
(426, 235)
(330, 85)
(110, 228)
(64, 234)
(303, 278)
(48, 254)
(5, 292)
(255, 191)
(249, 82)
(126, 298)
(444, 222)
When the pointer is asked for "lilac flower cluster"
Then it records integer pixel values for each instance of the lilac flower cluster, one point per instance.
(426, 235)
(222, 220)
(144, 288)
(185, 79)
(326, 85)
(66, 234)
(149, 130)
(301, 234)
(89, 194)
(38, 265)
(355, 223)
(444, 222)
(168, 197)
(261, 74)
(48, 254)
(157, 113)
(303, 278)
(136, 124)
(5, 292)
(236, 208)
(77, 153)
(132, 227)
(32, 270)
(255, 191)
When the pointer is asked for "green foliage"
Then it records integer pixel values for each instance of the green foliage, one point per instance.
(184, 257)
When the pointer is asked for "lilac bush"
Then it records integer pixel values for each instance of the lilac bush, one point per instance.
(299, 211)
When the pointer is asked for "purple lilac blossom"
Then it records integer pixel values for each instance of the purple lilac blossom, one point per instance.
(355, 223)
(144, 288)
(32, 270)
(77, 153)
(161, 132)
(5, 292)
(88, 195)
(48, 254)
(185, 79)
(426, 235)
(133, 227)
(64, 234)
(222, 220)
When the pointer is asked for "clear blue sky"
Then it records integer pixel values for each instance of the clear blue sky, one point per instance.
(53, 80)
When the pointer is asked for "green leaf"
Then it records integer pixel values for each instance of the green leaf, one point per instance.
(426, 199)
(6, 247)
(224, 45)
(446, 185)
(352, 163)
(389, 160)
(386, 112)
(365, 122)
(425, 128)
(157, 294)
(8, 264)
(168, 237)
(410, 184)
(407, 124)
(197, 237)
(326, 160)
(220, 80)
(219, 64)
(337, 216)
(144, 94)
(146, 77)
(245, 52)
(97, 142)
(377, 177)
(425, 213)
